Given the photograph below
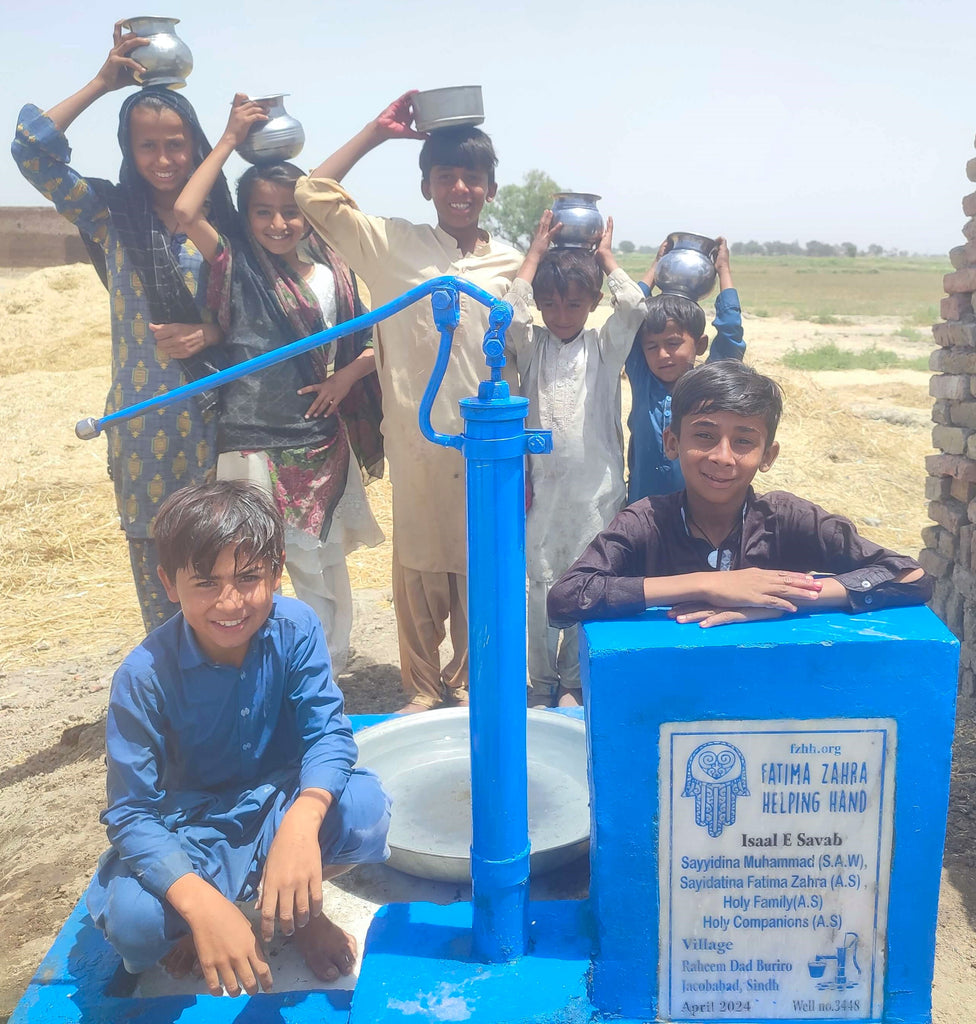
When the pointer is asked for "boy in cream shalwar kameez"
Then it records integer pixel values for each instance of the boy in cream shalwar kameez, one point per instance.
(571, 376)
(392, 255)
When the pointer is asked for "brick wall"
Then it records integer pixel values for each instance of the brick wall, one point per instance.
(950, 544)
(38, 236)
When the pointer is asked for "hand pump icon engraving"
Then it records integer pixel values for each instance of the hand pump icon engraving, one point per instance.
(847, 971)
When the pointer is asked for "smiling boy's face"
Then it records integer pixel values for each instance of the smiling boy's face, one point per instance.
(459, 195)
(226, 607)
(720, 454)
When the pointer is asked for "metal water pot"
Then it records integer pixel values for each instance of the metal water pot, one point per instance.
(448, 108)
(582, 224)
(166, 58)
(688, 267)
(281, 137)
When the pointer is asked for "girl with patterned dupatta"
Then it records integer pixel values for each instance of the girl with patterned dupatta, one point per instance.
(161, 331)
(303, 428)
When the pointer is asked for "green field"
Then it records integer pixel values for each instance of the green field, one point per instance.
(822, 289)
(830, 357)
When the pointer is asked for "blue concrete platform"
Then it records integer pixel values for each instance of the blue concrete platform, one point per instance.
(418, 967)
(897, 665)
(81, 979)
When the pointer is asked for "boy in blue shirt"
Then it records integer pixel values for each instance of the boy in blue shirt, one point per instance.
(230, 762)
(666, 347)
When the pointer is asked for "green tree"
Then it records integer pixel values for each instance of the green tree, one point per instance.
(516, 209)
(627, 247)
(816, 248)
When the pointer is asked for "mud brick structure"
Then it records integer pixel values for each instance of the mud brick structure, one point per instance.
(38, 236)
(950, 544)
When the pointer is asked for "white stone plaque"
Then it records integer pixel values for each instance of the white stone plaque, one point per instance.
(774, 862)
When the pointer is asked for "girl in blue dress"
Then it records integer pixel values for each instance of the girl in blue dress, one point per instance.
(161, 333)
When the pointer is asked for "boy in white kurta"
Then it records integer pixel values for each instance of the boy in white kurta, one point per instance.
(392, 255)
(571, 376)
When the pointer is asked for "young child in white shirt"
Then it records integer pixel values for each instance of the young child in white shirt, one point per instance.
(571, 376)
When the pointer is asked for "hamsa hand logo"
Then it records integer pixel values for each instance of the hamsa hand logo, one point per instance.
(715, 776)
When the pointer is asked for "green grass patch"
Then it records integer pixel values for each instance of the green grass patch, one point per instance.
(912, 334)
(830, 357)
(926, 315)
(810, 286)
(824, 318)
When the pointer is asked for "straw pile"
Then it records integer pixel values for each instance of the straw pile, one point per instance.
(871, 471)
(54, 319)
(66, 583)
(65, 580)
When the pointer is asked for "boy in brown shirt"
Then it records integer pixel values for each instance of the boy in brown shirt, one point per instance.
(717, 552)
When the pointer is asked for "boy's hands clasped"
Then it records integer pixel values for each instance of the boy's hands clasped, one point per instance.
(748, 595)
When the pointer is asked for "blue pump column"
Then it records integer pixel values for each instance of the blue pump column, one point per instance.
(494, 444)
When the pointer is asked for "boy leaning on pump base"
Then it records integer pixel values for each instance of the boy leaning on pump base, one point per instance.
(716, 552)
(230, 761)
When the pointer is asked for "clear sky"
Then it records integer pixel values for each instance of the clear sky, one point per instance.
(767, 119)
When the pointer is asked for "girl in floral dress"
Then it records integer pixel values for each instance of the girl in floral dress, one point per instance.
(155, 279)
(271, 283)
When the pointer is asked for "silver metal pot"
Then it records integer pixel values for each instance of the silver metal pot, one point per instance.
(447, 108)
(688, 267)
(582, 224)
(281, 137)
(424, 762)
(166, 58)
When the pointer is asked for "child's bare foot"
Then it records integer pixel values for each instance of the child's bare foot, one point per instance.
(413, 707)
(567, 698)
(181, 960)
(328, 950)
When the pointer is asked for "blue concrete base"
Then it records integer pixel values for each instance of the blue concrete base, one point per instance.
(82, 981)
(638, 674)
(418, 967)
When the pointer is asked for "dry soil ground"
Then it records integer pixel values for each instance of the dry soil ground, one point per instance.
(68, 613)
